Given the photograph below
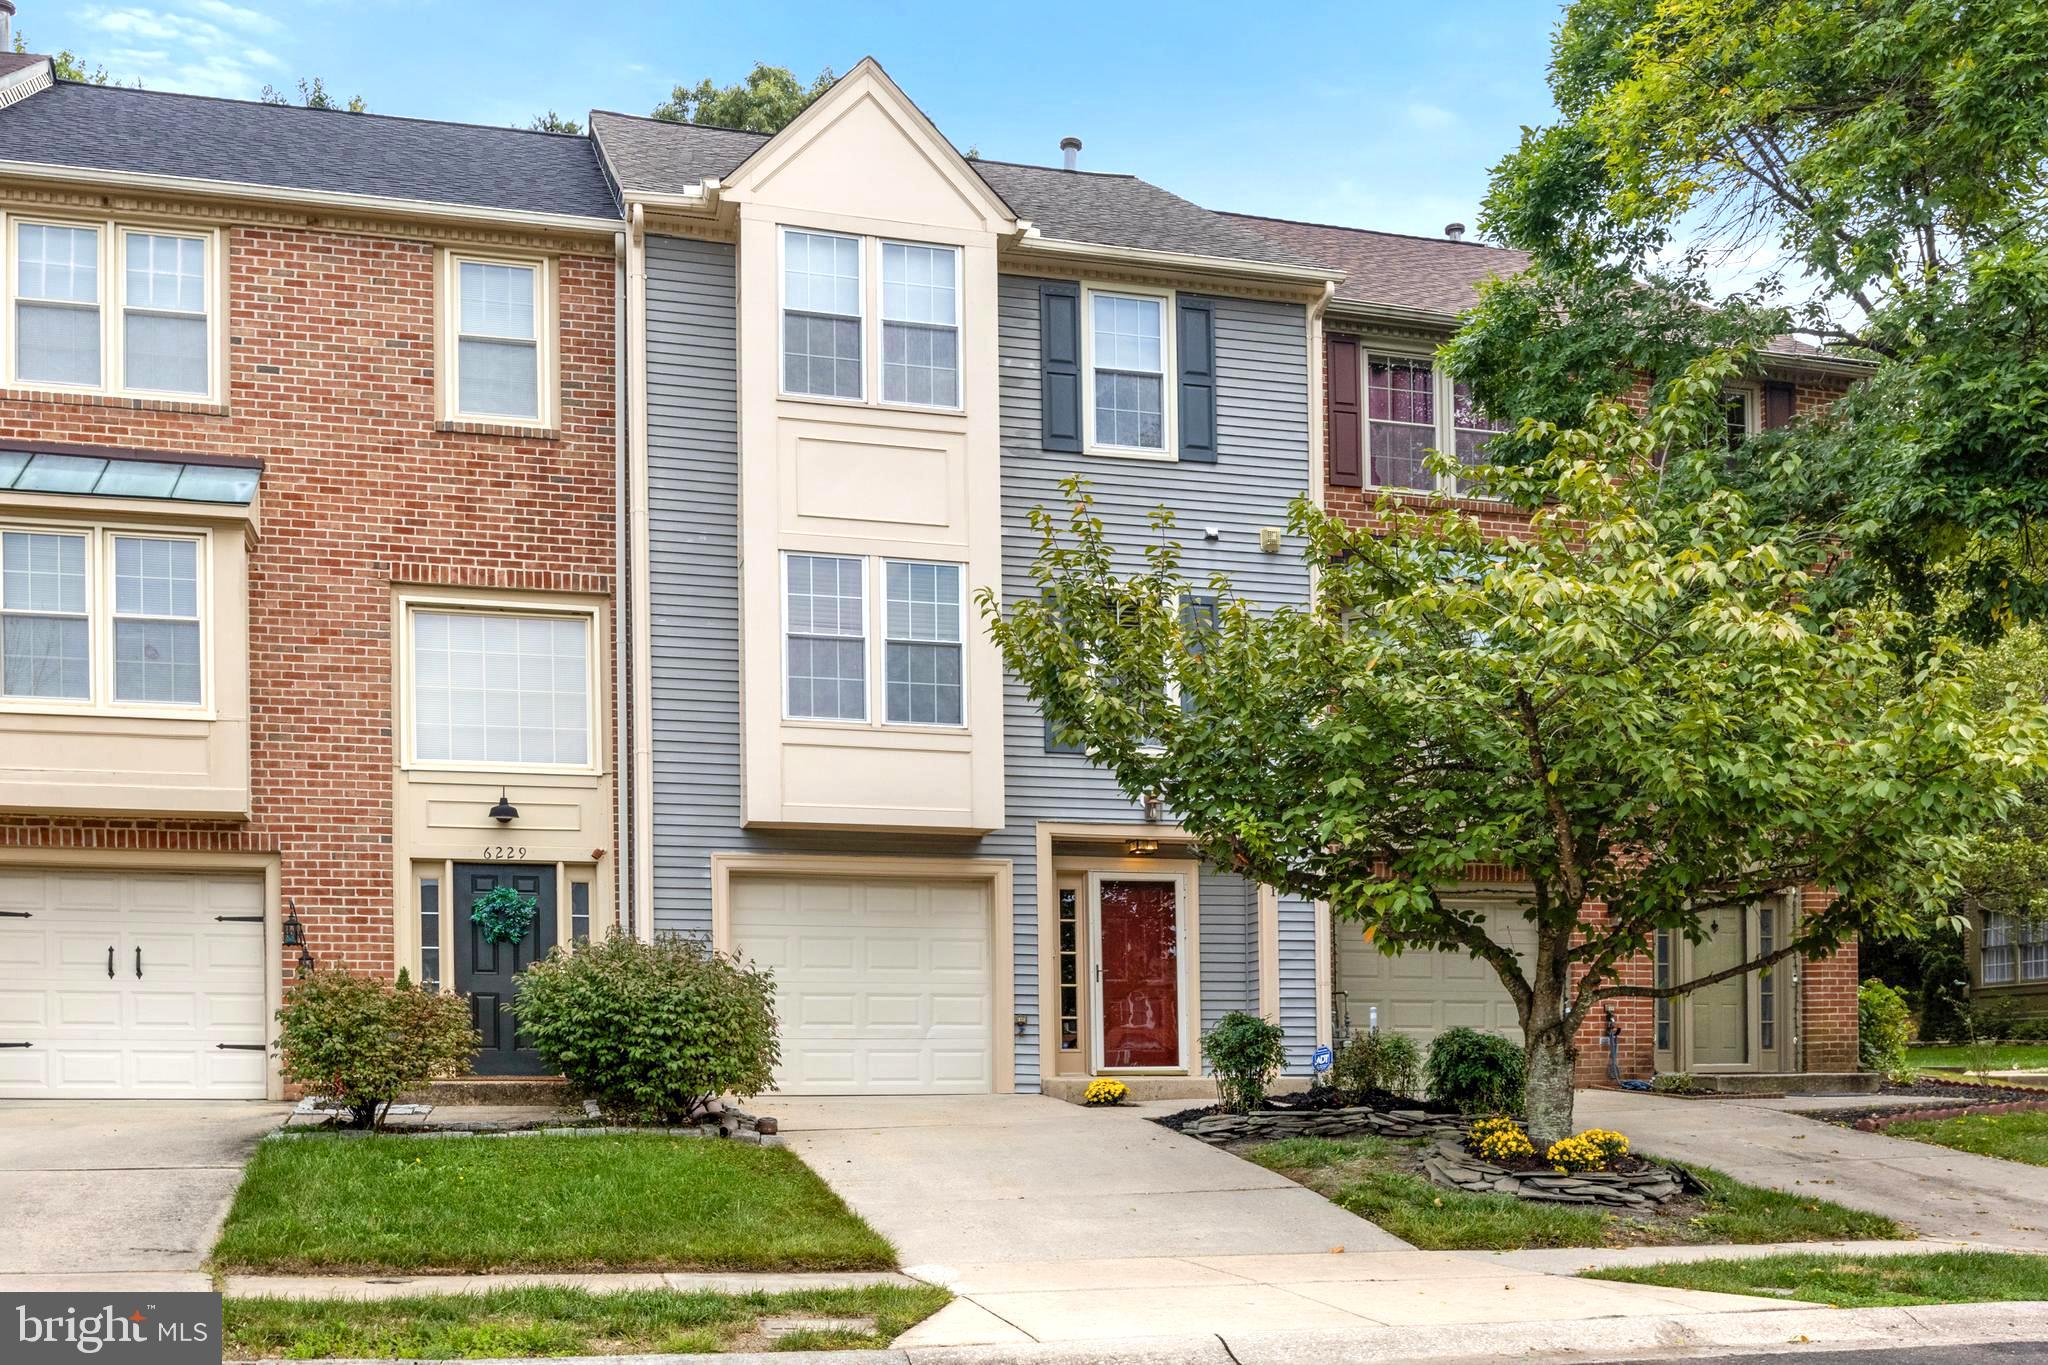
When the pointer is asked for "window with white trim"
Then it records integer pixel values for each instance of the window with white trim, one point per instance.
(822, 297)
(1400, 420)
(1739, 413)
(500, 689)
(2033, 938)
(825, 616)
(1127, 367)
(920, 325)
(164, 345)
(500, 313)
(102, 618)
(1995, 951)
(922, 645)
(57, 305)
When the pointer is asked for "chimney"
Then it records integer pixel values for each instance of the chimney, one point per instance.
(1070, 145)
(1455, 231)
(6, 25)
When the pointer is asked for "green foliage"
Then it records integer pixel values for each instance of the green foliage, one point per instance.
(504, 913)
(313, 94)
(1944, 994)
(1882, 1025)
(361, 1041)
(1245, 1052)
(764, 103)
(2005, 864)
(651, 1030)
(1388, 1063)
(1478, 1073)
(1675, 1083)
(552, 122)
(68, 67)
(1841, 1280)
(1996, 1020)
(1646, 707)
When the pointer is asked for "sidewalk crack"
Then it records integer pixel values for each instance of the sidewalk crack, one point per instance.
(1227, 1351)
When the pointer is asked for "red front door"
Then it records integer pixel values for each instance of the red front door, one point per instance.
(1140, 985)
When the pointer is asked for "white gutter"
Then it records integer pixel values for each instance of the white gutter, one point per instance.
(637, 586)
(377, 204)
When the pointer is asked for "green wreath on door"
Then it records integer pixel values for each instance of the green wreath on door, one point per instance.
(503, 914)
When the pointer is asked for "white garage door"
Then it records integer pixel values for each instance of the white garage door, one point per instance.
(131, 985)
(1422, 994)
(882, 987)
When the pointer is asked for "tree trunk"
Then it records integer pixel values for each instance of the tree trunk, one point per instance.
(1547, 1088)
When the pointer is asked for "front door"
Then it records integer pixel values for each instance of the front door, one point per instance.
(1138, 969)
(485, 971)
(1721, 1013)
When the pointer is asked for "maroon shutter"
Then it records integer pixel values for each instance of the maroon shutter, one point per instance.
(1781, 401)
(1347, 435)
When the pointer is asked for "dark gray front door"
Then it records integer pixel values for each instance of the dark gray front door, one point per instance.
(484, 971)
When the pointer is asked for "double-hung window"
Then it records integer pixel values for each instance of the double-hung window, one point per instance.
(1471, 429)
(826, 645)
(1996, 959)
(923, 643)
(1739, 413)
(823, 291)
(164, 345)
(501, 689)
(102, 618)
(2033, 936)
(111, 309)
(920, 325)
(1127, 357)
(1400, 396)
(57, 305)
(500, 316)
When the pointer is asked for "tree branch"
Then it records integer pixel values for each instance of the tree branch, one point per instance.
(1793, 949)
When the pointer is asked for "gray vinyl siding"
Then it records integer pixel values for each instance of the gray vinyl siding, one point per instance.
(693, 500)
(1262, 420)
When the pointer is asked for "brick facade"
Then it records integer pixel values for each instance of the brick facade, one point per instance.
(331, 383)
(1827, 999)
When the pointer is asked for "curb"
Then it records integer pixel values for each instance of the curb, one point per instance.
(1786, 1330)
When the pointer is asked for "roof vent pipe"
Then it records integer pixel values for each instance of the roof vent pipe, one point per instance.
(1070, 145)
(1455, 231)
(6, 25)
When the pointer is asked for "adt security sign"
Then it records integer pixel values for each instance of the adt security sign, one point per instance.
(1323, 1060)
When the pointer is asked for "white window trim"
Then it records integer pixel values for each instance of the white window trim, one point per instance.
(113, 306)
(871, 320)
(881, 572)
(1169, 389)
(99, 612)
(867, 641)
(1752, 396)
(410, 606)
(1443, 391)
(546, 358)
(1187, 1063)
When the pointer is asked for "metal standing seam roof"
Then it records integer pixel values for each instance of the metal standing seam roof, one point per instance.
(129, 474)
(284, 146)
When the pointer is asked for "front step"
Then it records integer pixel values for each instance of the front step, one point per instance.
(527, 1091)
(1201, 1089)
(1789, 1082)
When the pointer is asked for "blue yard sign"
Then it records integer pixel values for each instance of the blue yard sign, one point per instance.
(1323, 1060)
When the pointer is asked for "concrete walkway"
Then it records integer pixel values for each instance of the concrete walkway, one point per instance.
(119, 1193)
(1938, 1193)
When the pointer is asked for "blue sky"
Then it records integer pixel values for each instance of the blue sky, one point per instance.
(1373, 114)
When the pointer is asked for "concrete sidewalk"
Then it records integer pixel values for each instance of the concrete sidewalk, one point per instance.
(1938, 1193)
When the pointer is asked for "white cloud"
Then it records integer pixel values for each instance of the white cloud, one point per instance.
(1432, 117)
(255, 21)
(177, 46)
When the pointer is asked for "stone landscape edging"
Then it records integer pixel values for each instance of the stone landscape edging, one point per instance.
(1352, 1121)
(1877, 1123)
(1452, 1167)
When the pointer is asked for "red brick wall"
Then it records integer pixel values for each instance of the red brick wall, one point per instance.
(1828, 1000)
(331, 383)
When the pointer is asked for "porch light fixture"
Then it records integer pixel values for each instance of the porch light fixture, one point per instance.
(504, 812)
(294, 932)
(1155, 809)
(306, 962)
(1140, 848)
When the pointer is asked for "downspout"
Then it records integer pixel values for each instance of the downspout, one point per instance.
(622, 604)
(643, 626)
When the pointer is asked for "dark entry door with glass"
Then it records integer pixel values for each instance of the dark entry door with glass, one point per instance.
(1138, 973)
(485, 971)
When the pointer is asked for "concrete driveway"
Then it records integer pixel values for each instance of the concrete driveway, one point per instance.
(114, 1193)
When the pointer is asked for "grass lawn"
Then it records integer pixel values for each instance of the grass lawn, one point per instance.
(1380, 1180)
(332, 1204)
(2016, 1137)
(1857, 1281)
(2004, 1056)
(563, 1322)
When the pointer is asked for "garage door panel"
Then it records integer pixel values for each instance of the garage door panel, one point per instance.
(882, 985)
(1422, 993)
(86, 1009)
(163, 1010)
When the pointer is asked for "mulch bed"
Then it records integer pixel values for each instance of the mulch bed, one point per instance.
(1923, 1099)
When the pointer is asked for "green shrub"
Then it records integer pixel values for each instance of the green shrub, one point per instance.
(2031, 1031)
(361, 1041)
(1245, 1053)
(1476, 1073)
(651, 1030)
(1944, 998)
(1389, 1063)
(1674, 1083)
(1882, 1024)
(1995, 1021)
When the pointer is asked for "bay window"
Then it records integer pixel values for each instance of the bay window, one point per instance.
(102, 307)
(920, 325)
(923, 643)
(1127, 361)
(102, 618)
(501, 689)
(822, 296)
(826, 644)
(828, 651)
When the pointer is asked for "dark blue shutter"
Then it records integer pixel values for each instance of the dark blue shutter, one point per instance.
(1054, 744)
(1059, 351)
(1197, 617)
(1197, 348)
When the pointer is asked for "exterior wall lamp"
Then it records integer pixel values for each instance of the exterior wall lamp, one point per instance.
(504, 812)
(294, 932)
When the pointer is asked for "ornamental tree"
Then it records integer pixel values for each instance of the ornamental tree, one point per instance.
(1636, 707)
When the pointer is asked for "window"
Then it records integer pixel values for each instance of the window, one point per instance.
(1127, 365)
(1471, 429)
(44, 638)
(1070, 973)
(922, 643)
(163, 314)
(1995, 949)
(1400, 410)
(579, 912)
(2033, 952)
(497, 340)
(821, 314)
(826, 645)
(1662, 1006)
(501, 689)
(920, 325)
(71, 599)
(1738, 409)
(57, 305)
(1767, 990)
(430, 932)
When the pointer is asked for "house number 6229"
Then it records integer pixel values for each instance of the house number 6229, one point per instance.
(497, 852)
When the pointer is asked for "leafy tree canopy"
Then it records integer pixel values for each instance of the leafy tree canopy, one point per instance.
(552, 122)
(1641, 706)
(313, 94)
(2005, 866)
(763, 103)
(1891, 153)
(68, 67)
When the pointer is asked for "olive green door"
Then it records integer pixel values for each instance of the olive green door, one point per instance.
(1722, 1013)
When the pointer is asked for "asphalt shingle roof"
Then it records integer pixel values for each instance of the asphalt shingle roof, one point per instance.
(654, 157)
(289, 147)
(1434, 274)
